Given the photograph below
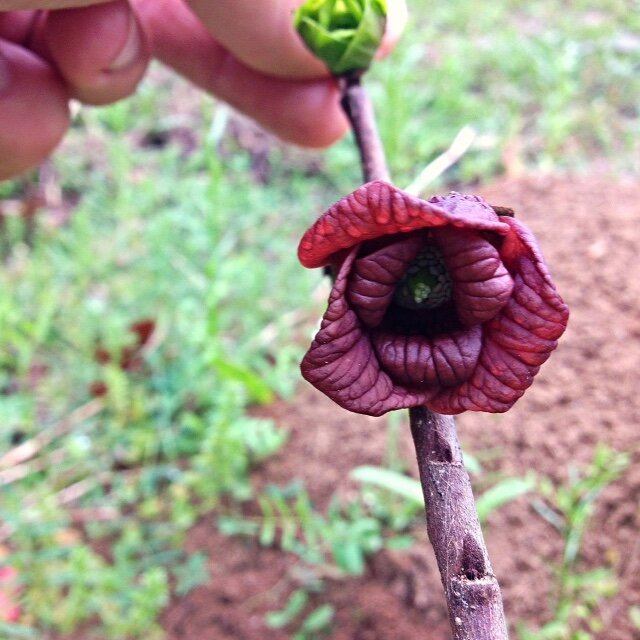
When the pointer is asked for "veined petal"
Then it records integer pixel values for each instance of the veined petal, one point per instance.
(378, 208)
(441, 361)
(374, 277)
(519, 339)
(342, 364)
(481, 283)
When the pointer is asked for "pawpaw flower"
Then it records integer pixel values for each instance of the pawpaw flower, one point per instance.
(442, 303)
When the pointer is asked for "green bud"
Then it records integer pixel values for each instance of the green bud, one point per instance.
(344, 34)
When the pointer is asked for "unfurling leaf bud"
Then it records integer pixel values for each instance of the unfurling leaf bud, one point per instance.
(344, 34)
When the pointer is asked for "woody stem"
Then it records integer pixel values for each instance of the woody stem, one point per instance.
(359, 110)
(472, 592)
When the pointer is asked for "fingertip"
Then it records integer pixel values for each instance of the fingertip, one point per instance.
(315, 119)
(304, 112)
(100, 50)
(261, 35)
(34, 113)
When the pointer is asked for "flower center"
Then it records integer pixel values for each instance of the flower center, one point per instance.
(426, 284)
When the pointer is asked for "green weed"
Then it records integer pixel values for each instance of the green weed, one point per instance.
(166, 433)
(409, 489)
(336, 544)
(313, 625)
(569, 508)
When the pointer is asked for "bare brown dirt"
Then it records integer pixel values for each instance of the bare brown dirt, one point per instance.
(588, 392)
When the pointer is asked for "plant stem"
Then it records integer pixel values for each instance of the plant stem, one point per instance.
(358, 108)
(472, 591)
(473, 595)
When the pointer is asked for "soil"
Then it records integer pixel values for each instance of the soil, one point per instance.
(588, 393)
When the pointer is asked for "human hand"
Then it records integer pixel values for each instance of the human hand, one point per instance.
(243, 51)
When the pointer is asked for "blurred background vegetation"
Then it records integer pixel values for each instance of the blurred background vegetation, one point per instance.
(157, 296)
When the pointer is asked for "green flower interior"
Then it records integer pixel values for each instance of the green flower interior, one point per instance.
(426, 284)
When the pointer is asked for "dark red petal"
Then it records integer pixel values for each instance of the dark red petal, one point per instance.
(467, 207)
(519, 339)
(373, 279)
(481, 283)
(378, 208)
(440, 361)
(342, 364)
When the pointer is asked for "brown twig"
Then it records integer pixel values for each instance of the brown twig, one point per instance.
(472, 591)
(357, 106)
(473, 595)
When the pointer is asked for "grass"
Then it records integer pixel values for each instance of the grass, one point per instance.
(385, 512)
(173, 226)
(542, 90)
(569, 508)
(170, 434)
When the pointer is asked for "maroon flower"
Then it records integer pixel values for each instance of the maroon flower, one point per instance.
(440, 303)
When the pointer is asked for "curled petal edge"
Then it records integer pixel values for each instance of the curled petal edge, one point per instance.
(482, 284)
(519, 339)
(374, 277)
(341, 361)
(377, 209)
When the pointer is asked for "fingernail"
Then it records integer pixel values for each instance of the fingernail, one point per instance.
(131, 49)
(5, 73)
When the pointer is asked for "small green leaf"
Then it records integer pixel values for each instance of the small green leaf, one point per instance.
(294, 606)
(349, 557)
(257, 389)
(472, 464)
(344, 34)
(268, 529)
(193, 573)
(318, 619)
(400, 543)
(501, 493)
(261, 437)
(231, 526)
(403, 486)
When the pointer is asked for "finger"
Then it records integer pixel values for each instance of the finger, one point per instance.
(33, 110)
(251, 30)
(101, 51)
(16, 26)
(306, 112)
(262, 36)
(15, 5)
